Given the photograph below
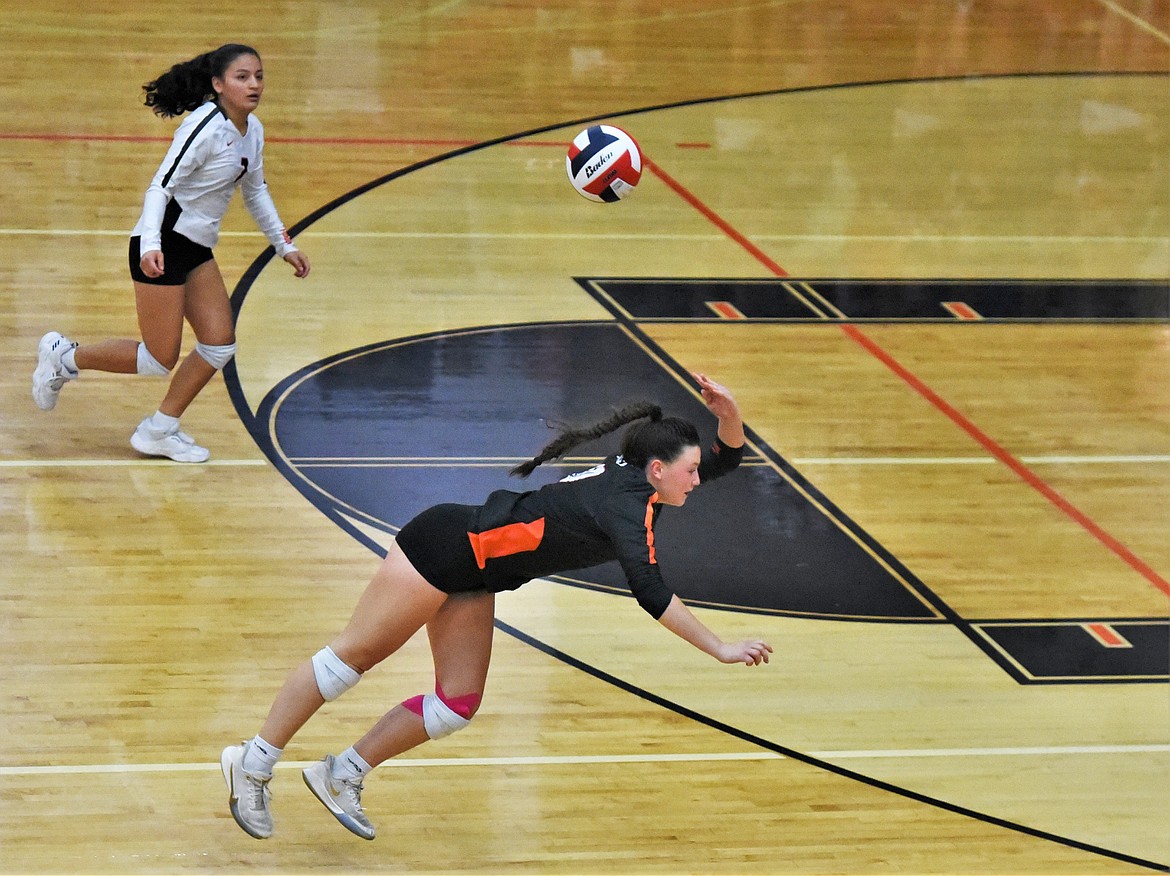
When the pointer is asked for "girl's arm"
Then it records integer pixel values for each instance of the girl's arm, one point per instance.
(679, 620)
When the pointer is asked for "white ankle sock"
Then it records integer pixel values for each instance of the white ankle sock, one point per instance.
(350, 765)
(70, 363)
(164, 423)
(260, 757)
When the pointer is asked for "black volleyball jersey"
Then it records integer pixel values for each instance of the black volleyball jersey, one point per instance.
(601, 514)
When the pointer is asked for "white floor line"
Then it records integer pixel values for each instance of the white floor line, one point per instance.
(118, 463)
(535, 235)
(390, 462)
(1140, 22)
(1140, 459)
(1076, 460)
(575, 760)
(991, 752)
(393, 461)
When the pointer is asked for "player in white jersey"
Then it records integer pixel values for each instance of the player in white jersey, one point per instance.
(217, 148)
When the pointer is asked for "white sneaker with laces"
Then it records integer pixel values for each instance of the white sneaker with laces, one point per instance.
(178, 446)
(342, 797)
(51, 374)
(248, 794)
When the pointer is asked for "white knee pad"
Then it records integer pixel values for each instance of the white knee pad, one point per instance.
(334, 676)
(147, 364)
(439, 718)
(216, 356)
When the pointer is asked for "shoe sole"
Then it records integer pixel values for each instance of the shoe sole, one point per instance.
(345, 818)
(43, 350)
(138, 445)
(225, 764)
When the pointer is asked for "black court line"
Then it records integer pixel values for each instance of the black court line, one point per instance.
(822, 301)
(793, 754)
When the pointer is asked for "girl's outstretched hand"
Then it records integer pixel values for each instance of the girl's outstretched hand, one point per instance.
(721, 403)
(751, 653)
(716, 397)
(299, 261)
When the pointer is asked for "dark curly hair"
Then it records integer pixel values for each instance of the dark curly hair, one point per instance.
(187, 86)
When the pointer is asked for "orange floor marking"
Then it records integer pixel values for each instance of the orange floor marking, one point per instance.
(726, 309)
(962, 310)
(1107, 636)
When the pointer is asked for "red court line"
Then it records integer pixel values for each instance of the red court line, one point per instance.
(366, 141)
(305, 141)
(989, 444)
(717, 220)
(997, 450)
(301, 141)
(84, 138)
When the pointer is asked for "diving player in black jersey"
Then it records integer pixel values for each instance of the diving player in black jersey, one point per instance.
(444, 570)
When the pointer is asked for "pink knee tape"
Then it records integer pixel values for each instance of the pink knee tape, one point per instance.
(414, 704)
(443, 715)
(463, 706)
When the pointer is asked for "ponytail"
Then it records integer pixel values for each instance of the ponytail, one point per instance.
(570, 438)
(187, 85)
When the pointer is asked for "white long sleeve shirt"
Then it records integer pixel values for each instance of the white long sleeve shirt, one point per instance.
(207, 160)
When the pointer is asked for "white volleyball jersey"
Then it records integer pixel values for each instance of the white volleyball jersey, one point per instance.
(207, 160)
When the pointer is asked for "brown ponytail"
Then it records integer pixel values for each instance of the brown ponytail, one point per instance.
(569, 439)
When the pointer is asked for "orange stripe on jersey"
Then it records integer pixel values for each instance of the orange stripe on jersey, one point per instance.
(650, 525)
(503, 541)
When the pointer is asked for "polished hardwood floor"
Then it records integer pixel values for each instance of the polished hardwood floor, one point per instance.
(1012, 472)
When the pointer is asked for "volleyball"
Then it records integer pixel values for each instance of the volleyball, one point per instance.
(604, 163)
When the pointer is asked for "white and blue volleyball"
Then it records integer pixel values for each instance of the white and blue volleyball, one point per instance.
(604, 163)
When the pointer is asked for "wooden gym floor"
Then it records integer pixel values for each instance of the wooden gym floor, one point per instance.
(952, 526)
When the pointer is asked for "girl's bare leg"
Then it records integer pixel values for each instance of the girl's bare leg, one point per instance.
(160, 320)
(209, 311)
(395, 605)
(461, 642)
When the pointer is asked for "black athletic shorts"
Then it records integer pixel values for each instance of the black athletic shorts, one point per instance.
(180, 255)
(437, 545)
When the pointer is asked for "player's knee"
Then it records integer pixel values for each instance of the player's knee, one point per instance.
(443, 715)
(334, 676)
(216, 355)
(149, 365)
